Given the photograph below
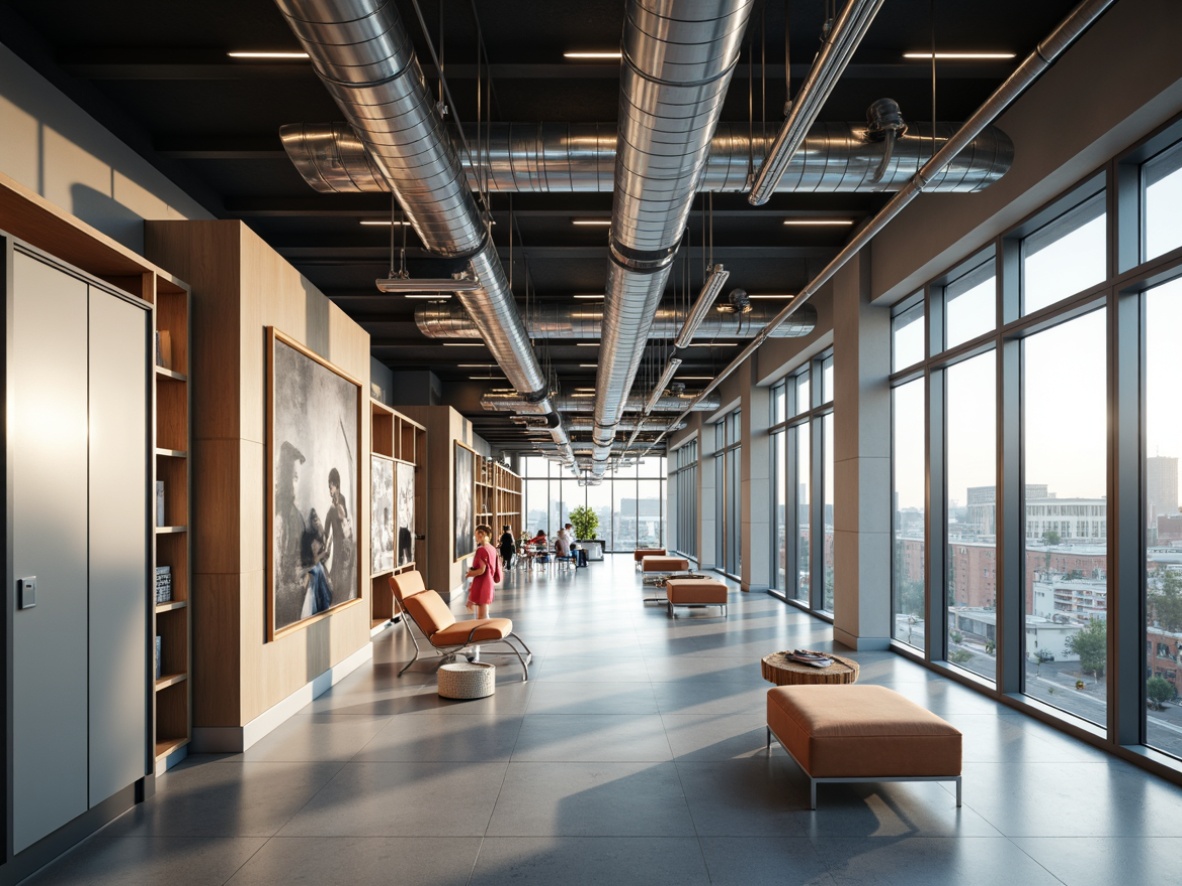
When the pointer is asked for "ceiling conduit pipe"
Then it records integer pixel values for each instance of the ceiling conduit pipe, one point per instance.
(678, 58)
(1043, 56)
(567, 158)
(361, 51)
(826, 70)
(510, 401)
(559, 322)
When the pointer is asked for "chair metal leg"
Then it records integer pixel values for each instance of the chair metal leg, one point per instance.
(958, 792)
(769, 739)
(812, 793)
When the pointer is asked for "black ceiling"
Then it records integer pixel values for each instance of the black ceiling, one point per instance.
(157, 74)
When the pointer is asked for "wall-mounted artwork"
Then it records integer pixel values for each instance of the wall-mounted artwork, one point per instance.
(314, 485)
(381, 508)
(465, 526)
(406, 512)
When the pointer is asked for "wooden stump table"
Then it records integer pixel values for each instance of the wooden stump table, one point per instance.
(778, 668)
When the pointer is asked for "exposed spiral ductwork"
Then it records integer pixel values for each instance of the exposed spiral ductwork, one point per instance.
(585, 323)
(510, 401)
(580, 158)
(678, 58)
(362, 53)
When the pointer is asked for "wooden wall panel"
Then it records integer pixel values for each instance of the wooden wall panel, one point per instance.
(216, 654)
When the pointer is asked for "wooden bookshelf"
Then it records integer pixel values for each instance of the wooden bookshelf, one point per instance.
(173, 701)
(498, 497)
(402, 440)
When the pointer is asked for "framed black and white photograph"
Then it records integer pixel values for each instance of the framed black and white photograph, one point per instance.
(465, 516)
(313, 483)
(405, 490)
(381, 508)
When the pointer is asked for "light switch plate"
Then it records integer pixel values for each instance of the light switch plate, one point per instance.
(26, 592)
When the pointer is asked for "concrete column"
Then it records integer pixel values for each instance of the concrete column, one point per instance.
(756, 476)
(862, 461)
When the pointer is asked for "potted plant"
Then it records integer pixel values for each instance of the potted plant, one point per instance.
(585, 521)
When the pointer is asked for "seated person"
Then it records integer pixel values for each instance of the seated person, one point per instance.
(562, 544)
(539, 539)
(578, 550)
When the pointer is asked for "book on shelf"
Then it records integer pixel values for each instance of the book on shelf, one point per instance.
(164, 349)
(160, 521)
(163, 584)
(159, 657)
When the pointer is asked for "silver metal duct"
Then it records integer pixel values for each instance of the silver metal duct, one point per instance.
(580, 424)
(363, 54)
(563, 158)
(509, 401)
(678, 57)
(585, 323)
(836, 52)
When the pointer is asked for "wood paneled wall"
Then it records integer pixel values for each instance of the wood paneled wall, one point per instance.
(241, 286)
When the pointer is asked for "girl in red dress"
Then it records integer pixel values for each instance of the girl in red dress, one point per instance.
(480, 591)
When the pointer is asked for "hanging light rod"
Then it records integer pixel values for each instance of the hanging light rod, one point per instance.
(659, 389)
(701, 309)
(272, 56)
(818, 222)
(458, 283)
(594, 56)
(959, 56)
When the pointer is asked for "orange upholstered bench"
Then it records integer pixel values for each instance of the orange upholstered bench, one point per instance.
(861, 733)
(640, 553)
(653, 563)
(695, 592)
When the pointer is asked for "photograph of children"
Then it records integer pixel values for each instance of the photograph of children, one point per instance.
(381, 524)
(406, 513)
(314, 483)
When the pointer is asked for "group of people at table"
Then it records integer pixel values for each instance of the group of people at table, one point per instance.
(537, 549)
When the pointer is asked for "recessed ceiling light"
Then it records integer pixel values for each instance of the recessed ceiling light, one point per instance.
(592, 222)
(585, 390)
(819, 222)
(586, 344)
(437, 296)
(382, 222)
(291, 56)
(959, 56)
(594, 56)
(582, 395)
(588, 366)
(600, 295)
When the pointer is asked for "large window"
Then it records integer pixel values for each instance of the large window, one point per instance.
(1162, 186)
(630, 501)
(800, 428)
(685, 482)
(1066, 256)
(728, 492)
(907, 590)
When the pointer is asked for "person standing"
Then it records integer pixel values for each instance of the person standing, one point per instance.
(484, 567)
(508, 546)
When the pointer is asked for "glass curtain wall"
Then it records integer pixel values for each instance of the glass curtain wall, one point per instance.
(728, 493)
(800, 427)
(1035, 397)
(630, 502)
(685, 480)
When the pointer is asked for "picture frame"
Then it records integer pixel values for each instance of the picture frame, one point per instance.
(313, 486)
(464, 513)
(382, 523)
(404, 523)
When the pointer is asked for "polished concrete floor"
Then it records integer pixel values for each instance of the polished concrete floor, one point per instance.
(635, 754)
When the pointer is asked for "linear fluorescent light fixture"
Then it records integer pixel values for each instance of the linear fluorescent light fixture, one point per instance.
(586, 344)
(771, 297)
(697, 378)
(283, 56)
(818, 222)
(458, 283)
(462, 344)
(662, 383)
(959, 56)
(486, 366)
(588, 366)
(599, 296)
(433, 296)
(701, 309)
(592, 222)
(383, 222)
(594, 56)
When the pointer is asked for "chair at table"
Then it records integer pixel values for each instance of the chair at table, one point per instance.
(439, 626)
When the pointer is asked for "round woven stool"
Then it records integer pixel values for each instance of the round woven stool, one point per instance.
(467, 679)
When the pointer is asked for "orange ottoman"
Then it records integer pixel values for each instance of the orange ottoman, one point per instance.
(653, 563)
(640, 553)
(695, 592)
(861, 733)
